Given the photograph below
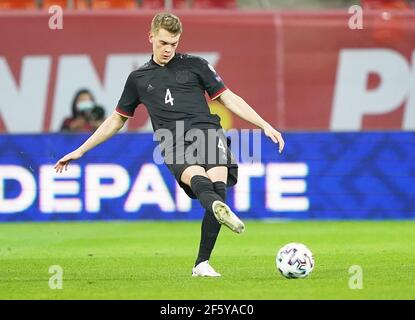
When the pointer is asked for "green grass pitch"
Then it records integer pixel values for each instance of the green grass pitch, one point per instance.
(153, 260)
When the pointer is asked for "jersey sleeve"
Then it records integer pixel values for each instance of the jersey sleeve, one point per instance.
(129, 99)
(212, 82)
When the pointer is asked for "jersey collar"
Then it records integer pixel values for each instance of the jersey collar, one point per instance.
(176, 56)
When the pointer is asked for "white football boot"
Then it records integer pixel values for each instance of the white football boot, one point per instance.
(225, 216)
(204, 269)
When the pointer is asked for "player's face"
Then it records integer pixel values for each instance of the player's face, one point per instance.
(164, 46)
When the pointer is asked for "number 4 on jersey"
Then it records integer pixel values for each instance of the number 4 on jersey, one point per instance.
(168, 98)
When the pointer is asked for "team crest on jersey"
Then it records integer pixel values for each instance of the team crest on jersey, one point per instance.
(182, 76)
(150, 88)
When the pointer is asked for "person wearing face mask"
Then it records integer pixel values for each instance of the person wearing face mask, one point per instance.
(86, 115)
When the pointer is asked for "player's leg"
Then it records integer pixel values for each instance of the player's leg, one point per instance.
(221, 211)
(211, 223)
(198, 180)
(210, 226)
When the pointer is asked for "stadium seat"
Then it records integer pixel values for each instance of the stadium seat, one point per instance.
(48, 3)
(21, 4)
(213, 4)
(159, 4)
(114, 4)
(77, 4)
(82, 4)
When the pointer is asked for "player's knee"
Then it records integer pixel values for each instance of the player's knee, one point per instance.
(190, 172)
(218, 174)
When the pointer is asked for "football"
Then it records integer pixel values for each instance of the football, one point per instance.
(295, 260)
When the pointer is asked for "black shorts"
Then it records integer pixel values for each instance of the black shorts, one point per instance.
(213, 152)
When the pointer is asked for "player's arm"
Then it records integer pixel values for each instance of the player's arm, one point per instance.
(242, 109)
(105, 131)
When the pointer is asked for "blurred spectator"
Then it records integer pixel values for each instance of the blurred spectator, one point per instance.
(86, 114)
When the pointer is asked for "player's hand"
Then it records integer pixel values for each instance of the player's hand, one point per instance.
(275, 136)
(64, 161)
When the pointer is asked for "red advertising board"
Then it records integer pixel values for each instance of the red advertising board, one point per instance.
(316, 47)
(299, 70)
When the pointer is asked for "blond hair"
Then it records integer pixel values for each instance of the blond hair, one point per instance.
(168, 22)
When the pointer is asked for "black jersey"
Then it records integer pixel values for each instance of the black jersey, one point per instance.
(173, 92)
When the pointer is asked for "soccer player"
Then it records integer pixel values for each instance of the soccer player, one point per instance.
(172, 87)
